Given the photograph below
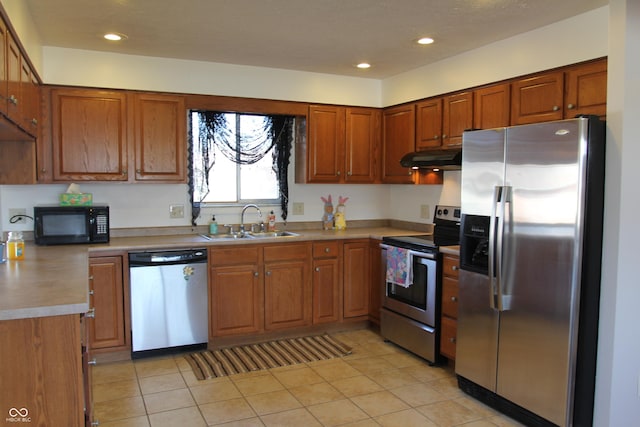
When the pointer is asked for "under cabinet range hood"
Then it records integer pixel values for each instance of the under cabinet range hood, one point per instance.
(433, 159)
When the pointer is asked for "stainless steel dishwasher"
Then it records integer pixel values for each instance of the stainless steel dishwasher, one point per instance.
(169, 303)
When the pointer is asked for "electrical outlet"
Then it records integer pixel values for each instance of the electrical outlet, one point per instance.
(176, 211)
(14, 217)
(424, 211)
(298, 209)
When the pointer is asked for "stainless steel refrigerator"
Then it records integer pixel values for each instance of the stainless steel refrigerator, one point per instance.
(530, 255)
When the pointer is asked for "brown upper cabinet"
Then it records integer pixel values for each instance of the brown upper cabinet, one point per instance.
(586, 89)
(457, 117)
(91, 132)
(429, 124)
(89, 135)
(441, 121)
(342, 145)
(398, 139)
(160, 137)
(565, 93)
(491, 106)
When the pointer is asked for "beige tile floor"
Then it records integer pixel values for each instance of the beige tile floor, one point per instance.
(378, 385)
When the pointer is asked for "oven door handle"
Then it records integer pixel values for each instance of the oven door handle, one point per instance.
(413, 253)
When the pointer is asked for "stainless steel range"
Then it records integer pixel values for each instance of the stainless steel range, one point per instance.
(410, 315)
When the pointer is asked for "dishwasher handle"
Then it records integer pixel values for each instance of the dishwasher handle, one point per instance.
(144, 259)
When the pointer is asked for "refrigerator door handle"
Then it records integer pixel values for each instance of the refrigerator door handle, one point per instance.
(503, 222)
(497, 195)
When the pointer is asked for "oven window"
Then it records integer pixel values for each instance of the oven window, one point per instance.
(71, 224)
(416, 294)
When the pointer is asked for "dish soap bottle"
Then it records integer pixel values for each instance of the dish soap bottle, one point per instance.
(271, 219)
(213, 226)
(15, 246)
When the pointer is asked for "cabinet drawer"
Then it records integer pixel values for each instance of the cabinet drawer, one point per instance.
(449, 297)
(448, 338)
(235, 255)
(287, 252)
(450, 264)
(326, 249)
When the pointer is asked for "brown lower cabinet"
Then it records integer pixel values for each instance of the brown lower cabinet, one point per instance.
(41, 371)
(107, 328)
(450, 265)
(273, 287)
(356, 278)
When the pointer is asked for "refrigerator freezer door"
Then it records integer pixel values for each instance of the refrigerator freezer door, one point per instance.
(544, 169)
(477, 336)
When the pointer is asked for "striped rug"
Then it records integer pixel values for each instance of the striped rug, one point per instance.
(254, 357)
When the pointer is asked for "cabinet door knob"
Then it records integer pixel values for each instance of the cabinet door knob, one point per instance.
(327, 250)
(452, 340)
(91, 313)
(268, 273)
(410, 172)
(444, 136)
(255, 273)
(556, 108)
(454, 299)
(91, 292)
(570, 106)
(436, 136)
(338, 173)
(349, 173)
(454, 268)
(92, 362)
(317, 269)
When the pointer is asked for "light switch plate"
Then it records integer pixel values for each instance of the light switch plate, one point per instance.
(176, 211)
(298, 209)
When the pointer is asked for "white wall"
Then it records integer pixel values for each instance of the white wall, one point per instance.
(618, 371)
(576, 39)
(112, 70)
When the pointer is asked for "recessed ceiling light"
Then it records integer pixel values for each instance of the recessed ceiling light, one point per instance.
(363, 65)
(115, 36)
(425, 40)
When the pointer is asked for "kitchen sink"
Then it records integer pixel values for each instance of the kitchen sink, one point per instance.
(265, 234)
(249, 235)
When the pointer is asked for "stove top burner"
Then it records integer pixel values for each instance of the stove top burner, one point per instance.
(446, 232)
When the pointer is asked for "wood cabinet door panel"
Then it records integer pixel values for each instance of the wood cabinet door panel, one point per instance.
(107, 328)
(429, 124)
(89, 135)
(449, 297)
(537, 99)
(235, 300)
(398, 128)
(41, 370)
(362, 144)
(287, 295)
(492, 106)
(456, 118)
(160, 137)
(14, 75)
(326, 136)
(4, 94)
(448, 338)
(356, 279)
(326, 291)
(586, 87)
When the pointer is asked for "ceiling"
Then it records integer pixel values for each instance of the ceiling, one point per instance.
(325, 36)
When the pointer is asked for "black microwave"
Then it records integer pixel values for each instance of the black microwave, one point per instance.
(61, 225)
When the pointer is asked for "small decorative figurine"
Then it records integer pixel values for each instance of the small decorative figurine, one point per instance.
(327, 218)
(340, 220)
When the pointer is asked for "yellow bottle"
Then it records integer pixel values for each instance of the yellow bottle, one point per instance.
(15, 246)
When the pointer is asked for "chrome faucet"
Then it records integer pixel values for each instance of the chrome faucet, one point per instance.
(251, 205)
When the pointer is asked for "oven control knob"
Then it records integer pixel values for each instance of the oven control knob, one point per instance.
(446, 211)
(439, 211)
